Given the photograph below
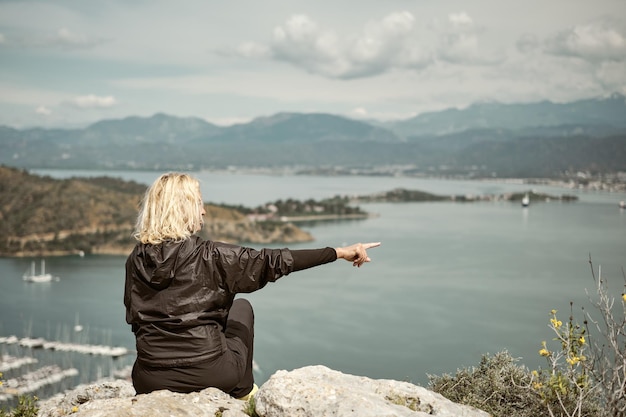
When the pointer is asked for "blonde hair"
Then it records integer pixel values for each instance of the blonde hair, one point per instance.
(171, 209)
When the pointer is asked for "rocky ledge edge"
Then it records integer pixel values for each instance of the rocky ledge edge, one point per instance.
(311, 391)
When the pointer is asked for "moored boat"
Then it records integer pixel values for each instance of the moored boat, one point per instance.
(34, 277)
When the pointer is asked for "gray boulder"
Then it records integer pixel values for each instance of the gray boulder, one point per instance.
(312, 391)
(118, 399)
(316, 391)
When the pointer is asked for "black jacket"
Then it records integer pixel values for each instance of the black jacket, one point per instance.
(178, 294)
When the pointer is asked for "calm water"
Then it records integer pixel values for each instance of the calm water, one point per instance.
(450, 282)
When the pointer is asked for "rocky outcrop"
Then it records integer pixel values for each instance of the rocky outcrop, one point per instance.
(318, 391)
(311, 391)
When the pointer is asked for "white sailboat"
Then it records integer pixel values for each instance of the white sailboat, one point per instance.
(78, 327)
(34, 277)
(525, 201)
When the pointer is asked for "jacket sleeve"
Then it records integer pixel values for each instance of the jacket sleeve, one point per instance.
(244, 270)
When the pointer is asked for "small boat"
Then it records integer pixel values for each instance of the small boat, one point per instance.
(622, 204)
(34, 277)
(78, 327)
(525, 201)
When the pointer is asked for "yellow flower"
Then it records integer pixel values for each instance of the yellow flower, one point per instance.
(556, 323)
(544, 352)
(75, 409)
(553, 312)
(535, 373)
(573, 360)
(624, 297)
(582, 340)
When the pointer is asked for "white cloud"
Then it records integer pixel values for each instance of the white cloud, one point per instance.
(612, 75)
(253, 50)
(43, 110)
(63, 38)
(380, 47)
(596, 41)
(394, 42)
(528, 43)
(460, 19)
(92, 101)
(459, 42)
(359, 113)
(66, 38)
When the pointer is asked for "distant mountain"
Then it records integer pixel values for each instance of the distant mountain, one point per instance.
(159, 128)
(483, 139)
(313, 127)
(604, 113)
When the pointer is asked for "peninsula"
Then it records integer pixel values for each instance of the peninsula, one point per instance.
(42, 216)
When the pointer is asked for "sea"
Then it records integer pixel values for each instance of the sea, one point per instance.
(451, 281)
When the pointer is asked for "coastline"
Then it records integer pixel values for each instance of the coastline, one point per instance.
(327, 217)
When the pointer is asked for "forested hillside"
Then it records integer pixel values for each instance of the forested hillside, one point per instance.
(45, 216)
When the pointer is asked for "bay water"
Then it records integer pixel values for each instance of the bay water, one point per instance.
(450, 282)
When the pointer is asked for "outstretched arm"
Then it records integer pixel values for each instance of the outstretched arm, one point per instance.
(357, 253)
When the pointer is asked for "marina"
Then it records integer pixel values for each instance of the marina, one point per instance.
(8, 362)
(35, 343)
(32, 381)
(40, 367)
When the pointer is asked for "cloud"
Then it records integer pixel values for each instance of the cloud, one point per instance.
(93, 102)
(391, 43)
(528, 43)
(459, 42)
(359, 113)
(68, 39)
(63, 38)
(595, 42)
(381, 46)
(43, 110)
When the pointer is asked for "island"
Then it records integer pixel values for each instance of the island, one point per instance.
(401, 195)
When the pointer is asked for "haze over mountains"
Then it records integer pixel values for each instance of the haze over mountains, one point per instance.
(542, 139)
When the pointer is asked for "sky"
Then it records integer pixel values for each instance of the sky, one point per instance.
(71, 63)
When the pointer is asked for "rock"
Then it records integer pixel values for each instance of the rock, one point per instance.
(319, 391)
(311, 391)
(118, 399)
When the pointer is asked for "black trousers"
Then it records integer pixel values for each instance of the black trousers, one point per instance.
(231, 372)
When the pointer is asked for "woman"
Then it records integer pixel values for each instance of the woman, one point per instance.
(180, 291)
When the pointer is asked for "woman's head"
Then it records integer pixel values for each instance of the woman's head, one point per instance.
(171, 209)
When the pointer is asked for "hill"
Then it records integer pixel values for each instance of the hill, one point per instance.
(542, 139)
(606, 112)
(44, 216)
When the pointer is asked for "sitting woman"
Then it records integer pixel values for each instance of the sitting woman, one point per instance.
(180, 291)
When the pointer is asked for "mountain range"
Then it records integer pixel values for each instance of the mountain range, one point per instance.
(542, 139)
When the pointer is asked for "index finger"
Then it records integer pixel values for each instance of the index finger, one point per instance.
(371, 245)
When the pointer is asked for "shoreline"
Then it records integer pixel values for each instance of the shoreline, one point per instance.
(326, 217)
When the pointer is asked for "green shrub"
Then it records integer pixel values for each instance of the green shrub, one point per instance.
(498, 385)
(585, 374)
(26, 407)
